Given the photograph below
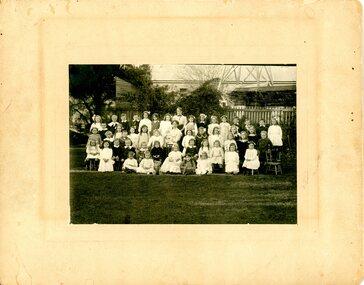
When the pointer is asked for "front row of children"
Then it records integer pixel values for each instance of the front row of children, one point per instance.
(190, 161)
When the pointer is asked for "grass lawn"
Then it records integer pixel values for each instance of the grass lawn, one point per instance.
(116, 198)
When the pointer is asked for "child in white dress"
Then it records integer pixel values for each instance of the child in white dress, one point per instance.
(229, 141)
(224, 128)
(191, 125)
(214, 124)
(204, 148)
(97, 123)
(133, 137)
(175, 132)
(130, 164)
(251, 158)
(275, 136)
(232, 160)
(172, 163)
(93, 155)
(145, 122)
(217, 157)
(106, 163)
(155, 137)
(118, 132)
(146, 166)
(203, 164)
(165, 125)
(143, 135)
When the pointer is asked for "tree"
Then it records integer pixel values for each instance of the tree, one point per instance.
(91, 87)
(205, 99)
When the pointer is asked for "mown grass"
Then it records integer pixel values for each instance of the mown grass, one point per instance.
(116, 198)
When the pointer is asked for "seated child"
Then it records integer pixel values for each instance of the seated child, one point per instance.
(204, 147)
(146, 166)
(264, 144)
(130, 164)
(117, 155)
(106, 162)
(232, 160)
(191, 150)
(251, 158)
(133, 137)
(172, 164)
(95, 136)
(158, 155)
(201, 135)
(217, 157)
(203, 164)
(93, 155)
(155, 137)
(187, 138)
(188, 165)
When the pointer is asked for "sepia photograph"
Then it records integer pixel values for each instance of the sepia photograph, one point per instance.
(183, 144)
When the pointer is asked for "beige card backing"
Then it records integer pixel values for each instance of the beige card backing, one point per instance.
(38, 42)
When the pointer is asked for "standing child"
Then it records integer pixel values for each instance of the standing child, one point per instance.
(103, 130)
(252, 136)
(188, 165)
(135, 123)
(109, 136)
(202, 122)
(145, 122)
(175, 133)
(191, 125)
(97, 123)
(95, 136)
(242, 144)
(165, 125)
(214, 124)
(118, 132)
(203, 164)
(113, 124)
(172, 164)
(180, 118)
(251, 161)
(143, 135)
(215, 136)
(130, 164)
(106, 162)
(264, 144)
(124, 122)
(189, 135)
(275, 136)
(236, 123)
(146, 166)
(217, 157)
(224, 128)
(261, 127)
(201, 135)
(158, 155)
(126, 149)
(133, 137)
(123, 137)
(232, 160)
(117, 155)
(204, 147)
(93, 155)
(155, 123)
(168, 144)
(155, 137)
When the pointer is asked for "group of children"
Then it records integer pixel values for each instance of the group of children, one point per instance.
(180, 144)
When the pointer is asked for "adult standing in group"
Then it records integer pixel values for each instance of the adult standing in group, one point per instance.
(182, 120)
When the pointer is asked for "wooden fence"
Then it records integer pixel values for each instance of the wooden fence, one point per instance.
(285, 116)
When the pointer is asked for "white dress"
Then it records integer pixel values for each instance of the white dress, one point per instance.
(93, 152)
(165, 127)
(143, 137)
(146, 166)
(134, 139)
(145, 122)
(204, 149)
(253, 159)
(217, 155)
(186, 140)
(176, 135)
(275, 135)
(224, 131)
(203, 166)
(172, 163)
(211, 127)
(191, 127)
(231, 162)
(130, 163)
(104, 166)
(227, 144)
(96, 125)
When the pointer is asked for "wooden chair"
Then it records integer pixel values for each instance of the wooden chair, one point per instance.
(273, 165)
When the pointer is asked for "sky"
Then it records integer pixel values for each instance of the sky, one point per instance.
(174, 72)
